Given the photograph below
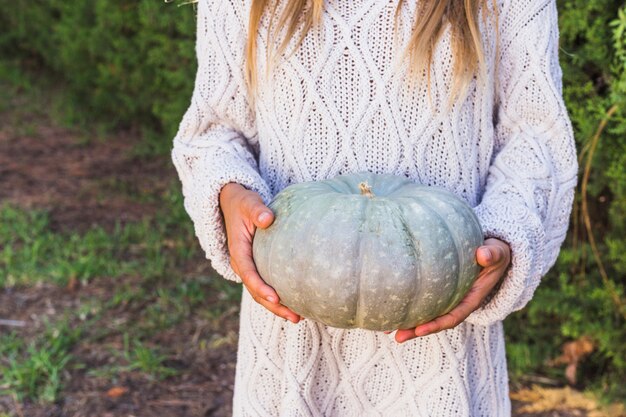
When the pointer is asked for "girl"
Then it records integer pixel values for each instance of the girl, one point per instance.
(464, 95)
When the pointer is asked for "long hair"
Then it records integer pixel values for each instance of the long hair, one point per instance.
(431, 21)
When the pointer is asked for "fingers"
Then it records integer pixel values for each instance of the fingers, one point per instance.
(495, 256)
(279, 309)
(264, 294)
(253, 207)
(448, 321)
(243, 265)
(445, 322)
(251, 278)
(404, 335)
(493, 252)
(489, 255)
(470, 302)
(244, 211)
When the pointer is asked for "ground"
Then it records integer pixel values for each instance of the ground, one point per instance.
(81, 184)
(115, 341)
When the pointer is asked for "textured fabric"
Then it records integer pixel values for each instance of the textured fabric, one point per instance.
(340, 104)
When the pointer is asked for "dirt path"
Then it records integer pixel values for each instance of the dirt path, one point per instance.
(81, 184)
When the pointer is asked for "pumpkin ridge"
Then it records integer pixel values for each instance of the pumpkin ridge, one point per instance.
(418, 256)
(314, 225)
(462, 207)
(457, 245)
(395, 187)
(268, 263)
(333, 185)
(367, 204)
(308, 201)
(272, 237)
(314, 204)
(279, 204)
(342, 180)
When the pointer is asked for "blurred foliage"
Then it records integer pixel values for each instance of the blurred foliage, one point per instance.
(583, 295)
(125, 62)
(133, 63)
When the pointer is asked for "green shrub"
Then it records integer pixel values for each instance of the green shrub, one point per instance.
(584, 292)
(129, 63)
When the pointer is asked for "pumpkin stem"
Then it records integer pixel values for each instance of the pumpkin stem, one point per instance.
(366, 190)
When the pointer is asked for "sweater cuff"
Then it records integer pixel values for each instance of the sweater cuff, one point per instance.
(203, 174)
(523, 231)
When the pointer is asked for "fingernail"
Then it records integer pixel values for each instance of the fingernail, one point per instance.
(271, 299)
(486, 253)
(264, 216)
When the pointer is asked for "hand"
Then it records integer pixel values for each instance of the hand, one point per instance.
(243, 212)
(494, 256)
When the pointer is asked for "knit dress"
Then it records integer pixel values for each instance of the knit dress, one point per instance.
(340, 104)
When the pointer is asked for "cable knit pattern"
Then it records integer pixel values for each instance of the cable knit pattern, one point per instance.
(339, 104)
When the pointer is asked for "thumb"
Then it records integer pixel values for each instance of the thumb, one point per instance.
(260, 214)
(264, 218)
(488, 255)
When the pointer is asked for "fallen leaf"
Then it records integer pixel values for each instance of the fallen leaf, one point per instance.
(116, 392)
(72, 284)
(572, 353)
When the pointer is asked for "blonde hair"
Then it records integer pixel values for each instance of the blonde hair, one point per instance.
(431, 20)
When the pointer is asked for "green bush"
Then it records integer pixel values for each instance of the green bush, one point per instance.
(583, 295)
(128, 63)
(132, 63)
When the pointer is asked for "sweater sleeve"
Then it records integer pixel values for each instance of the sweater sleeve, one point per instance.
(530, 185)
(216, 142)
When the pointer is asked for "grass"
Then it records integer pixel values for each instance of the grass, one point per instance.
(31, 252)
(34, 370)
(148, 360)
(153, 249)
(135, 356)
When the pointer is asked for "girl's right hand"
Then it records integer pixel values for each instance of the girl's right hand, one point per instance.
(243, 212)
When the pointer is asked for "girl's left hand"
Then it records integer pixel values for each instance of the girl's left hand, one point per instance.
(494, 256)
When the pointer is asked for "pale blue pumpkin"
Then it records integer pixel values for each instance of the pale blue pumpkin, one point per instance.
(369, 251)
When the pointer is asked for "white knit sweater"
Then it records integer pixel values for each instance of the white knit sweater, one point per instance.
(336, 106)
